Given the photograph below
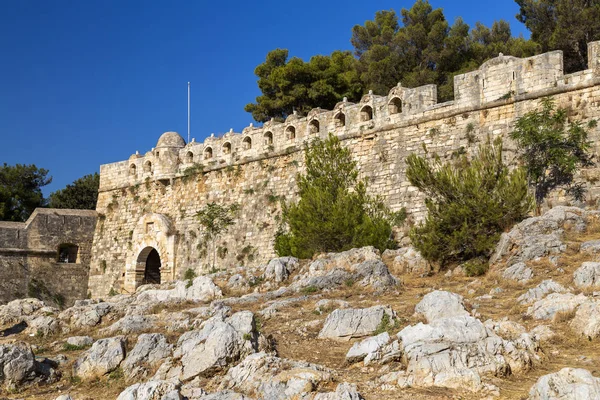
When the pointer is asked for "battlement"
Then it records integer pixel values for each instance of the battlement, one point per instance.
(503, 79)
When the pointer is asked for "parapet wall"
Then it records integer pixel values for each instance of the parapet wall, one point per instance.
(29, 254)
(258, 166)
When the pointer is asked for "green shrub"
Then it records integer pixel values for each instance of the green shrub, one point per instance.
(475, 267)
(309, 289)
(553, 149)
(469, 203)
(189, 274)
(334, 212)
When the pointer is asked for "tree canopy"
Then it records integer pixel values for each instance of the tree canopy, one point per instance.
(334, 212)
(419, 46)
(81, 194)
(470, 202)
(552, 149)
(567, 25)
(21, 190)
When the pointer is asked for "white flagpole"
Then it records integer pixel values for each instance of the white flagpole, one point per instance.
(188, 112)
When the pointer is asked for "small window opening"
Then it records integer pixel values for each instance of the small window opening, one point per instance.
(132, 170)
(67, 253)
(208, 153)
(189, 157)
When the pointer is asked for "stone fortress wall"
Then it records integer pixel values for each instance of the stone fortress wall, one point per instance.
(150, 201)
(51, 250)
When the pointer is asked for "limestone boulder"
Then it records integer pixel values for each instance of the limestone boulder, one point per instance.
(590, 247)
(202, 289)
(104, 356)
(17, 364)
(269, 377)
(85, 314)
(344, 391)
(362, 267)
(406, 260)
(380, 349)
(219, 343)
(588, 275)
(149, 351)
(539, 236)
(24, 310)
(541, 290)
(566, 384)
(456, 350)
(587, 319)
(327, 305)
(132, 324)
(152, 390)
(279, 269)
(344, 324)
(548, 307)
(64, 397)
(518, 272)
(542, 333)
(439, 304)
(42, 326)
(80, 341)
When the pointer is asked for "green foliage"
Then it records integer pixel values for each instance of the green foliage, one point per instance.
(552, 149)
(476, 267)
(72, 347)
(21, 190)
(216, 220)
(566, 25)
(309, 290)
(192, 171)
(469, 203)
(293, 84)
(334, 212)
(112, 292)
(416, 47)
(189, 274)
(81, 194)
(116, 374)
(387, 325)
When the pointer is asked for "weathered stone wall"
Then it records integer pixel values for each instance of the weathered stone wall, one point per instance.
(29, 255)
(150, 201)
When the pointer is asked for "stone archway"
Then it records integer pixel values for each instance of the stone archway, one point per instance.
(151, 258)
(148, 267)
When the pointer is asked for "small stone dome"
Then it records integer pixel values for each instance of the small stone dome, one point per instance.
(170, 139)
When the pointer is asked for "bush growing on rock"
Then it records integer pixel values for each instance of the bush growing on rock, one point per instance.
(552, 149)
(334, 212)
(469, 203)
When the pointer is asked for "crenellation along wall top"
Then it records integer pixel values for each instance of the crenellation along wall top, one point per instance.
(500, 80)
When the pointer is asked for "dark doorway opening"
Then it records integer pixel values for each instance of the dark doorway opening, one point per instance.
(152, 270)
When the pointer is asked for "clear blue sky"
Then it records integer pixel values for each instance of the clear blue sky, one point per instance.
(89, 82)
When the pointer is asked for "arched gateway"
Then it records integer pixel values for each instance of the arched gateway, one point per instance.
(148, 267)
(151, 259)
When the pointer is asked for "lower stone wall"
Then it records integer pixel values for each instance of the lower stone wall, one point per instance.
(13, 276)
(30, 252)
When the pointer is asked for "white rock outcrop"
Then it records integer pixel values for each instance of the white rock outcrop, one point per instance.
(344, 324)
(104, 356)
(566, 384)
(588, 275)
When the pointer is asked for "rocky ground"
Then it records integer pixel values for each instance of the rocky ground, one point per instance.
(341, 327)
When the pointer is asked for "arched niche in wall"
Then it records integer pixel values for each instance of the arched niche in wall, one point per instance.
(366, 113)
(395, 106)
(226, 148)
(268, 138)
(340, 120)
(247, 143)
(314, 127)
(290, 132)
(208, 153)
(189, 157)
